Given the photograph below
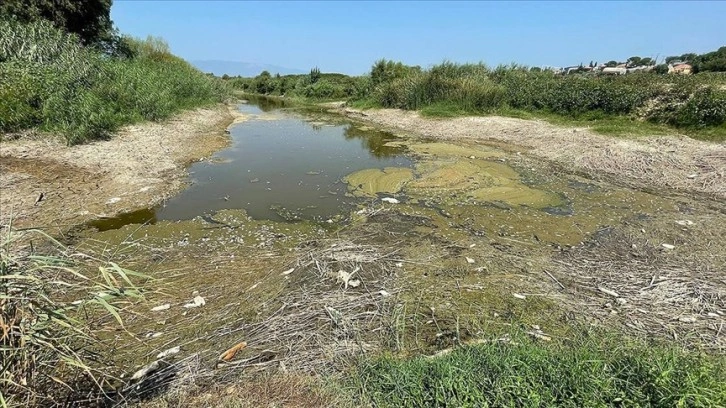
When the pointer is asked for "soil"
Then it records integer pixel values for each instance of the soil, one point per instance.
(44, 183)
(677, 163)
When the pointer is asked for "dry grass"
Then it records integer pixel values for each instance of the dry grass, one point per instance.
(628, 281)
(280, 390)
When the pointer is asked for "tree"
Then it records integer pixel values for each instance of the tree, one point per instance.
(611, 64)
(634, 61)
(314, 75)
(646, 61)
(90, 19)
(661, 69)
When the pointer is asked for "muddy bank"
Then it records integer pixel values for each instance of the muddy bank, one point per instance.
(673, 162)
(47, 184)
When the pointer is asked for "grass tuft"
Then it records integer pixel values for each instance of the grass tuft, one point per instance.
(592, 372)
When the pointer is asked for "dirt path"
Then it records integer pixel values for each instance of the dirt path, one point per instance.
(139, 167)
(678, 163)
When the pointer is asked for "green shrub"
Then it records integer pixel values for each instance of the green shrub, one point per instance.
(53, 83)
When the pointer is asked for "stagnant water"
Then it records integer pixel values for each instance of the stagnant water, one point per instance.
(278, 167)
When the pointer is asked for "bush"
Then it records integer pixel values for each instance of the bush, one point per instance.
(53, 83)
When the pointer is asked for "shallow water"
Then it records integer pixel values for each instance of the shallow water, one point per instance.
(278, 167)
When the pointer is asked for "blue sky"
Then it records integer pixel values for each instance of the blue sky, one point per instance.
(348, 37)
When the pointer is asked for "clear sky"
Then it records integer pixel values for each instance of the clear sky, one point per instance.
(348, 37)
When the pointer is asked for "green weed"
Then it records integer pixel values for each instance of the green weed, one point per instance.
(520, 372)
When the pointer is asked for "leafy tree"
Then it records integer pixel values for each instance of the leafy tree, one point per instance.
(646, 61)
(90, 19)
(535, 69)
(661, 69)
(634, 61)
(611, 64)
(314, 75)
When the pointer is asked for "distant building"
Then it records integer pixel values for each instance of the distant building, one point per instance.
(681, 68)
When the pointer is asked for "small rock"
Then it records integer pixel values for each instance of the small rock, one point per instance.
(685, 223)
(384, 293)
(169, 352)
(668, 246)
(196, 302)
(470, 260)
(160, 308)
(113, 200)
(289, 271)
(472, 157)
(255, 180)
(621, 301)
(399, 264)
(390, 200)
(692, 176)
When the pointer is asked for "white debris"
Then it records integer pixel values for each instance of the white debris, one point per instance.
(687, 319)
(685, 223)
(470, 260)
(113, 200)
(399, 264)
(668, 246)
(196, 302)
(161, 307)
(169, 352)
(692, 176)
(384, 293)
(608, 291)
(145, 370)
(347, 280)
(153, 335)
(390, 200)
(289, 271)
(518, 296)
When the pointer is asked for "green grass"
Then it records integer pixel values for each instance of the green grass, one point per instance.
(50, 82)
(590, 372)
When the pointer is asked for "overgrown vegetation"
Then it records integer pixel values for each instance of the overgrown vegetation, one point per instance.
(591, 372)
(46, 301)
(316, 85)
(50, 81)
(695, 104)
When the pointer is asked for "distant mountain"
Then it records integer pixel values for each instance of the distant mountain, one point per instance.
(245, 69)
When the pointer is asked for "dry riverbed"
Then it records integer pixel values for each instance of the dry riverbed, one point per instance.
(44, 183)
(676, 163)
(497, 226)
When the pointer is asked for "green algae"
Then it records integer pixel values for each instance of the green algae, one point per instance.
(438, 149)
(370, 182)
